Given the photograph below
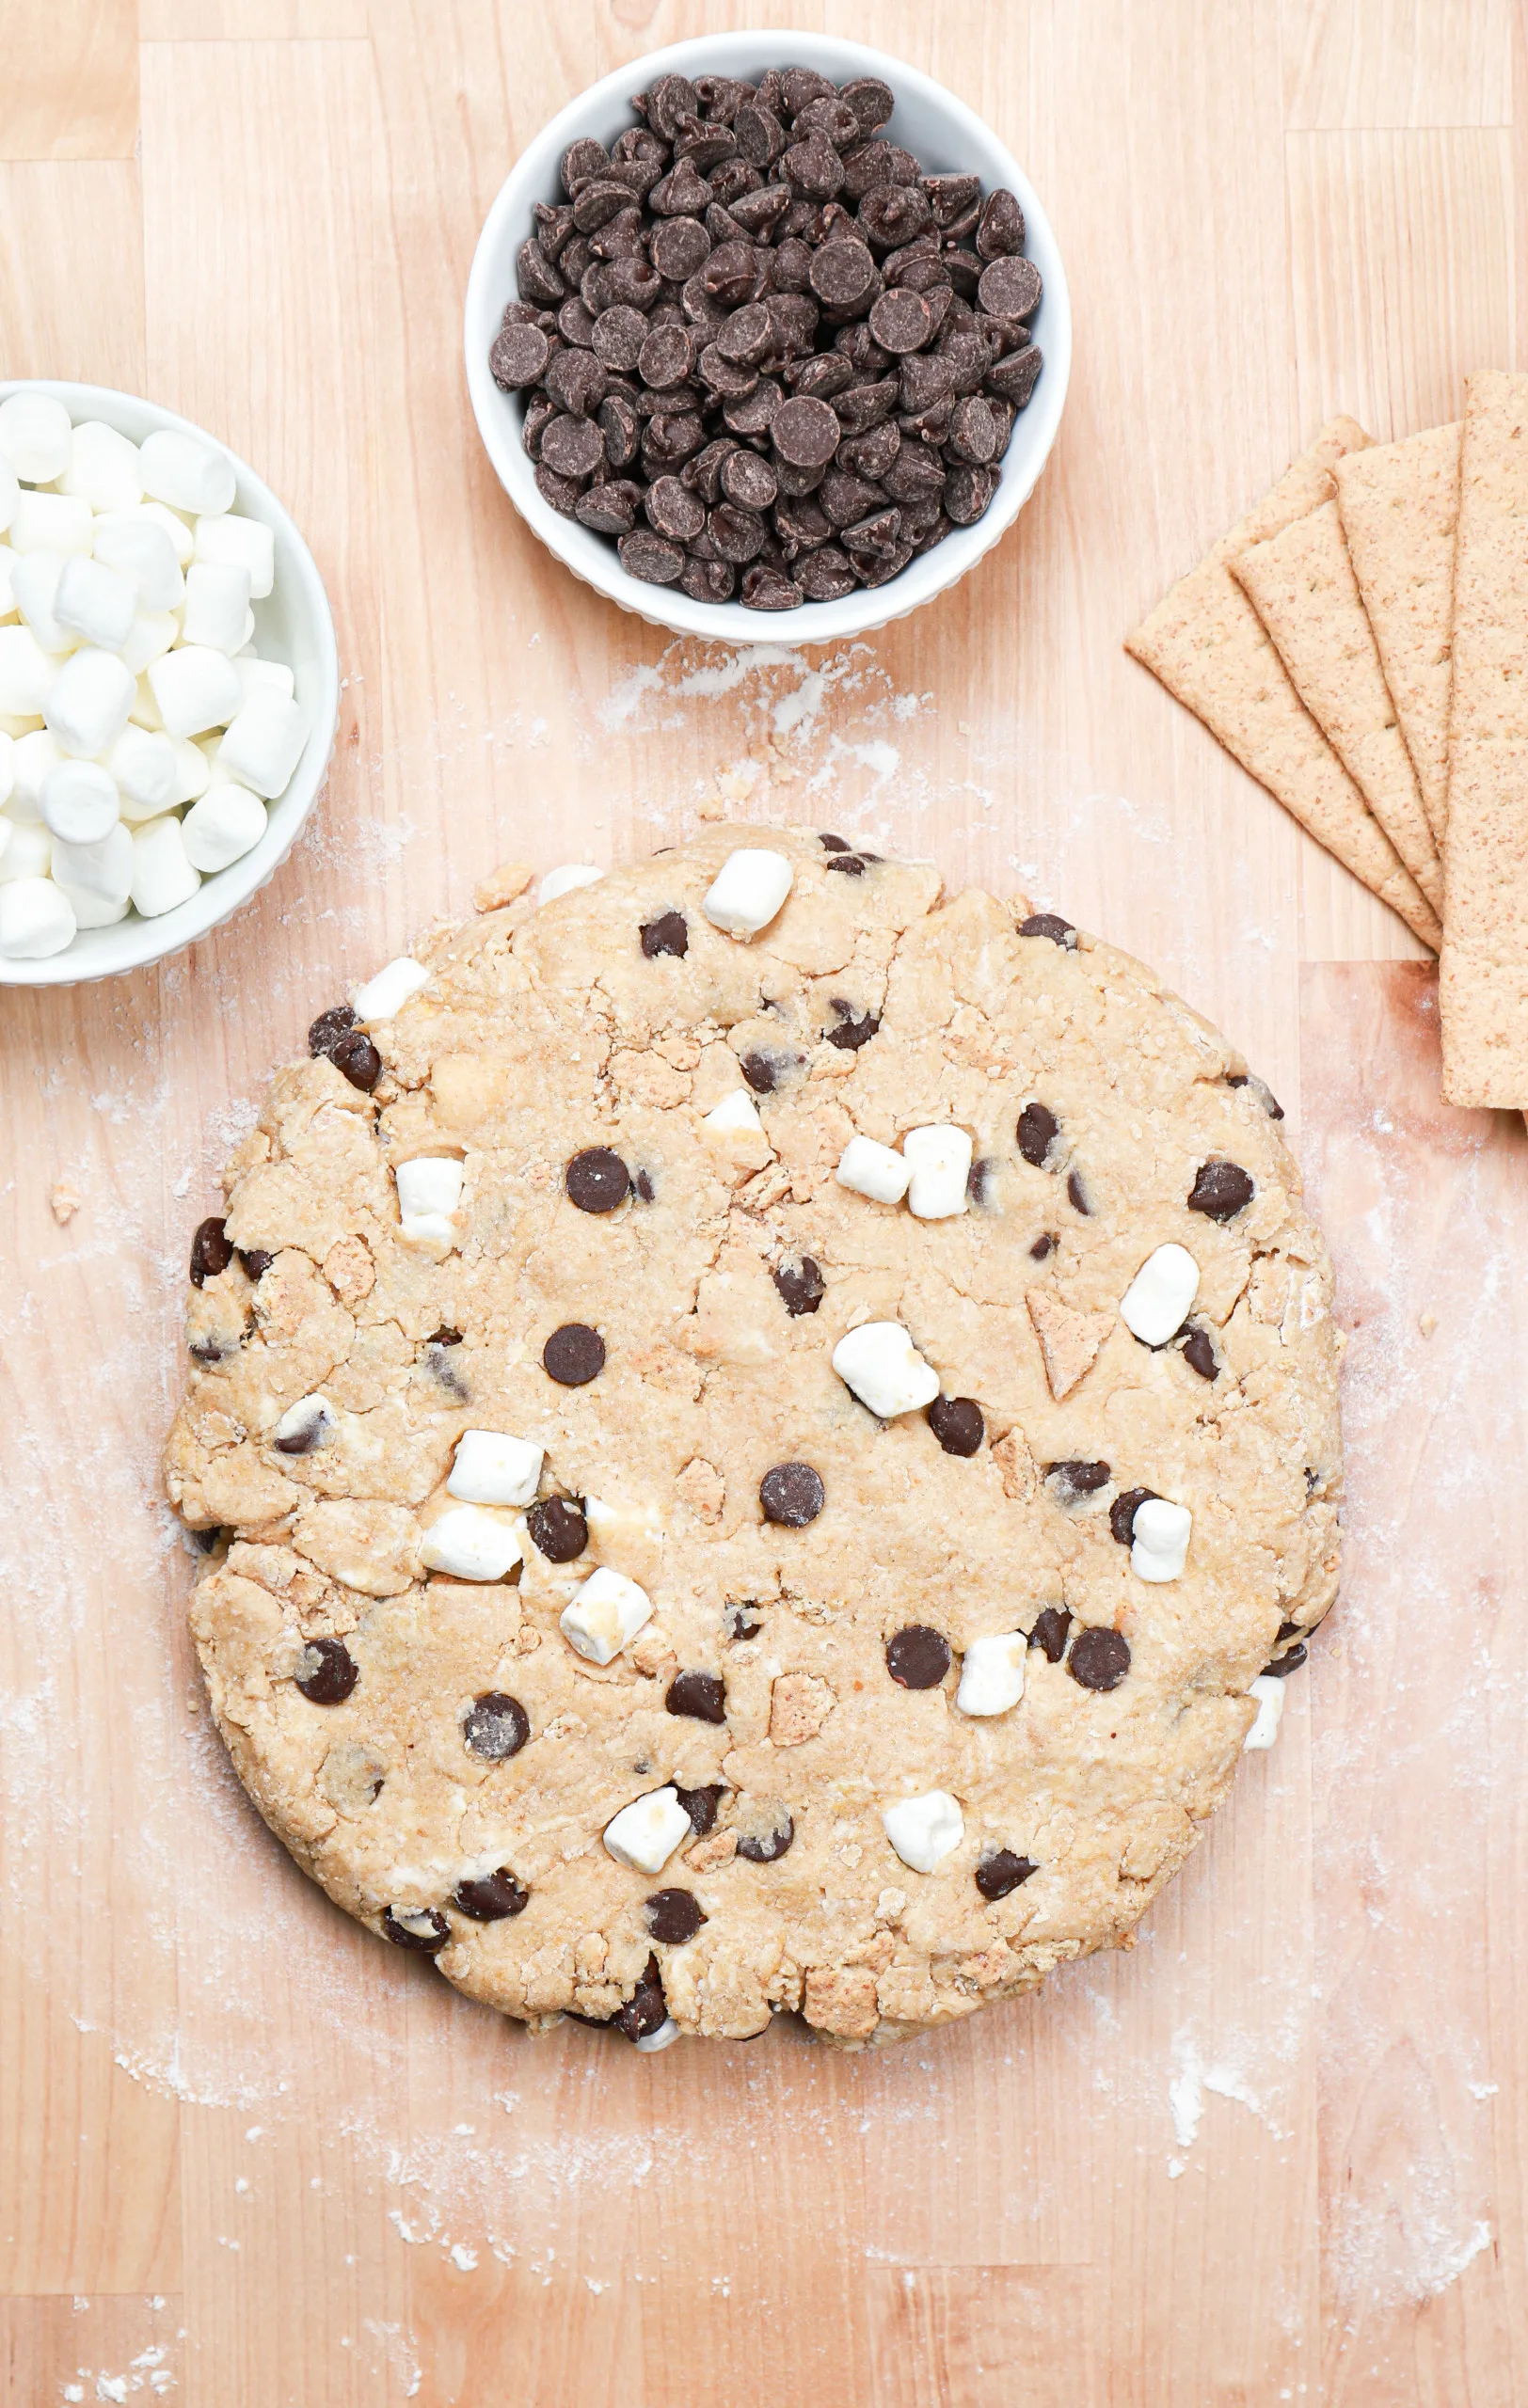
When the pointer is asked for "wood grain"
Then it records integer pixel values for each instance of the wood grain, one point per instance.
(1250, 2160)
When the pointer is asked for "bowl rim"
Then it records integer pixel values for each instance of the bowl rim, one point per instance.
(141, 942)
(926, 575)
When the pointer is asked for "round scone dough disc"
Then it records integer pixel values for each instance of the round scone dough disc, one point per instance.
(836, 1605)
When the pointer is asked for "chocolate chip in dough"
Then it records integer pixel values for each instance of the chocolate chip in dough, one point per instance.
(326, 1032)
(668, 934)
(699, 1695)
(1220, 1190)
(917, 1657)
(1044, 1245)
(957, 1423)
(1100, 1659)
(257, 1260)
(357, 1059)
(1051, 1626)
(597, 1180)
(1037, 1133)
(800, 1284)
(558, 1528)
(1076, 1478)
(646, 2007)
(1123, 1511)
(851, 1031)
(574, 1355)
(791, 1495)
(423, 1928)
(1282, 1665)
(674, 1916)
(769, 1846)
(491, 1897)
(211, 1251)
(1046, 924)
(327, 1671)
(1076, 1195)
(701, 1805)
(849, 864)
(1198, 1354)
(496, 1726)
(999, 1873)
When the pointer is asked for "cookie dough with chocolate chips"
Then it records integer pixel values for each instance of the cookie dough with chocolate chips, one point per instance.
(578, 1624)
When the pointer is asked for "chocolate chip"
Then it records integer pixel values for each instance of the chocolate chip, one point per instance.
(826, 575)
(496, 1726)
(844, 276)
(1123, 1511)
(437, 1363)
(801, 1285)
(1011, 287)
(609, 509)
(999, 1873)
(791, 1495)
(749, 481)
(356, 1058)
(1037, 1131)
(646, 2007)
(652, 558)
(957, 1423)
(1014, 379)
(1044, 1244)
(701, 1805)
(901, 321)
(669, 933)
(769, 588)
(211, 1251)
(642, 1187)
(769, 1846)
(492, 1897)
(208, 1352)
(973, 432)
(708, 580)
(536, 277)
(849, 865)
(1046, 924)
(763, 1071)
(1077, 1478)
(1099, 1659)
(1282, 1665)
(850, 1033)
(1051, 1626)
(1263, 1093)
(1000, 230)
(558, 1528)
(309, 1434)
(1076, 1195)
(619, 425)
(327, 1671)
(572, 448)
(582, 162)
(597, 1180)
(699, 1695)
(674, 1916)
(1220, 1190)
(518, 357)
(917, 1657)
(804, 431)
(429, 1942)
(680, 247)
(831, 844)
(256, 1261)
(1285, 1630)
(968, 493)
(574, 1355)
(1198, 1354)
(737, 534)
(327, 1031)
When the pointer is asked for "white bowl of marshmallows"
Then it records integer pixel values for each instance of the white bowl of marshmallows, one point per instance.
(168, 683)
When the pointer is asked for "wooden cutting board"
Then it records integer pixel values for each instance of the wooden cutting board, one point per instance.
(248, 2157)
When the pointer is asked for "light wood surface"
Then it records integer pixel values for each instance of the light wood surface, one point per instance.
(1278, 2152)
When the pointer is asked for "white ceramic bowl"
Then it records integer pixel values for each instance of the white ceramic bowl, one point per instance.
(293, 625)
(944, 136)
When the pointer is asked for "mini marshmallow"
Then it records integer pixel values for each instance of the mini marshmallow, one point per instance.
(7, 569)
(1269, 1694)
(28, 852)
(429, 1191)
(1159, 1539)
(79, 802)
(33, 585)
(565, 881)
(306, 1426)
(97, 603)
(193, 772)
(149, 639)
(265, 741)
(613, 1527)
(51, 522)
(1156, 1305)
(384, 996)
(197, 689)
(747, 891)
(870, 1168)
(37, 919)
(103, 868)
(735, 1111)
(880, 1364)
(145, 711)
(991, 1675)
(231, 541)
(11, 494)
(606, 1612)
(33, 756)
(103, 468)
(272, 673)
(652, 2042)
(94, 911)
(8, 768)
(88, 703)
(138, 547)
(217, 606)
(224, 826)
(471, 1544)
(36, 436)
(643, 1835)
(941, 1160)
(161, 875)
(492, 1469)
(923, 1830)
(187, 473)
(6, 831)
(25, 674)
(183, 542)
(143, 768)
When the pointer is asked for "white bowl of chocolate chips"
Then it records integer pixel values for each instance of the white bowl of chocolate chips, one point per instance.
(828, 349)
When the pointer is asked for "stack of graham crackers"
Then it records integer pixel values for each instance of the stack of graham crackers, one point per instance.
(1360, 642)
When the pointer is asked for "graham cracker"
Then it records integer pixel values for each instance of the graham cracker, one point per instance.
(1209, 647)
(1302, 587)
(1483, 983)
(1400, 509)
